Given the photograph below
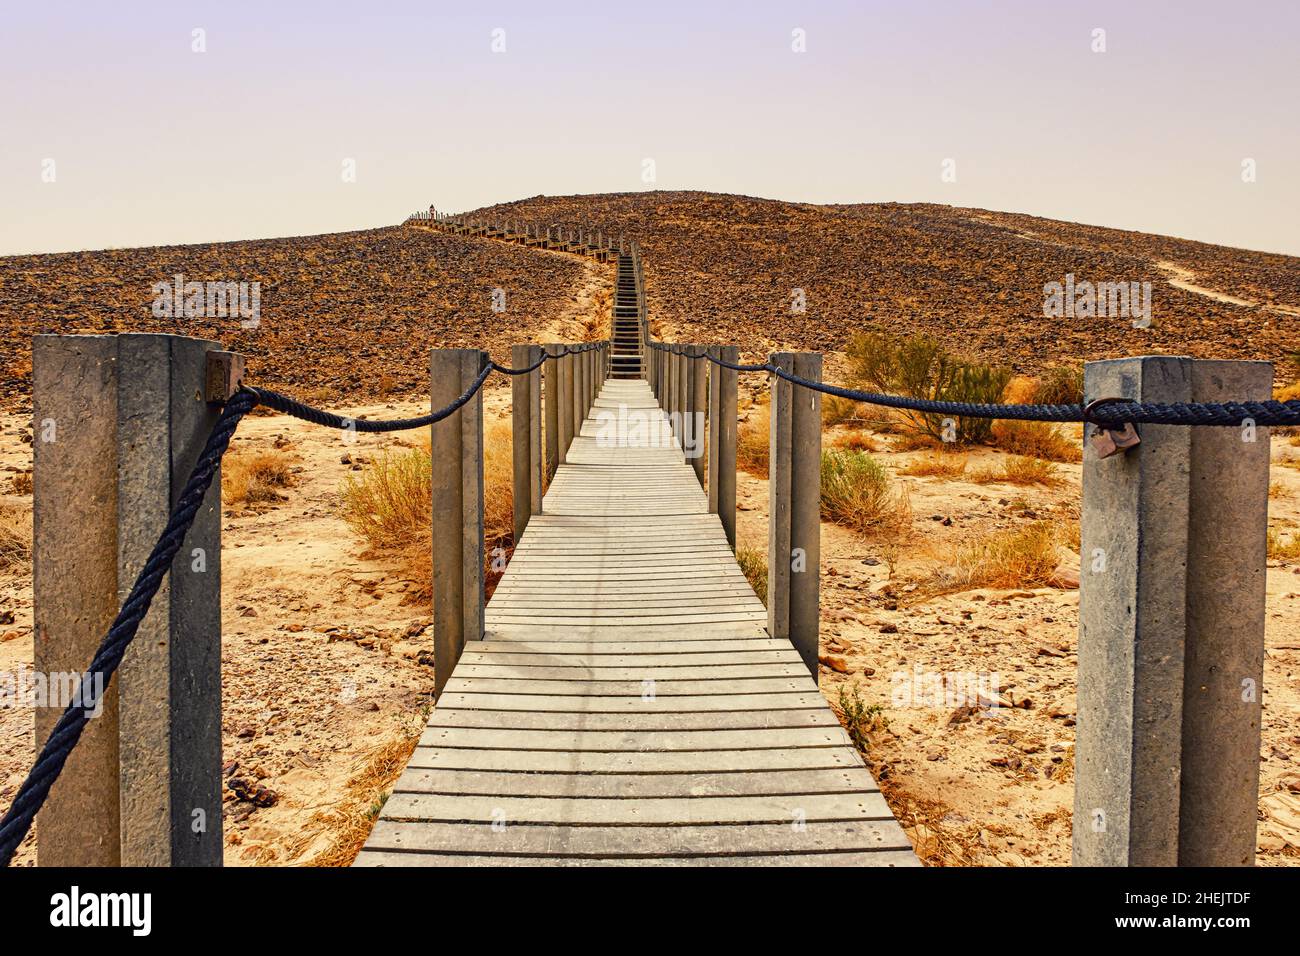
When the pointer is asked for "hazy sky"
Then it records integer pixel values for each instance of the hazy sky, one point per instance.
(153, 143)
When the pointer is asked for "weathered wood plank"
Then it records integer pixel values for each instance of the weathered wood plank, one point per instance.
(492, 783)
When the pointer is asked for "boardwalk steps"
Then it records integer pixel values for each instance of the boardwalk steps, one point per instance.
(627, 705)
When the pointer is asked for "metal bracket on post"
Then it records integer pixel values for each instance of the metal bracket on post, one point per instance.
(1109, 440)
(223, 376)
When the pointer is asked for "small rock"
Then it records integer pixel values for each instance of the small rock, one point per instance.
(835, 662)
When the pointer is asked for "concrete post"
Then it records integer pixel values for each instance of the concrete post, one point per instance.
(456, 443)
(722, 439)
(794, 509)
(685, 393)
(566, 413)
(120, 421)
(526, 434)
(699, 407)
(554, 450)
(1171, 625)
(579, 412)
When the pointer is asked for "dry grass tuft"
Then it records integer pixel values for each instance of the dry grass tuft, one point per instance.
(856, 441)
(389, 506)
(837, 410)
(752, 442)
(1280, 550)
(1278, 490)
(353, 820)
(857, 492)
(753, 561)
(1026, 557)
(15, 539)
(255, 477)
(1020, 470)
(21, 483)
(1035, 440)
(943, 465)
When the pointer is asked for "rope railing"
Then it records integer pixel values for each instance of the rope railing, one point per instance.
(1113, 412)
(31, 796)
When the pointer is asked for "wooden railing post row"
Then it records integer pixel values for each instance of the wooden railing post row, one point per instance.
(1171, 624)
(120, 421)
(526, 436)
(723, 411)
(794, 506)
(456, 444)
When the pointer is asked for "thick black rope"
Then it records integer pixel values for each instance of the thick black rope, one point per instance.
(567, 350)
(1262, 414)
(31, 795)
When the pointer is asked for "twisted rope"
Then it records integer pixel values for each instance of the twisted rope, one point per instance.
(1115, 413)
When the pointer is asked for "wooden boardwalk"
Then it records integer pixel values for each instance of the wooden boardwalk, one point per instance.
(627, 705)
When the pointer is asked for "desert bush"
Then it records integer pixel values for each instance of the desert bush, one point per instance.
(255, 477)
(389, 504)
(1020, 470)
(921, 367)
(1060, 385)
(936, 466)
(857, 492)
(753, 562)
(15, 539)
(752, 442)
(858, 717)
(21, 483)
(1035, 440)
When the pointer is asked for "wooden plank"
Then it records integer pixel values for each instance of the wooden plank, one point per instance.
(646, 741)
(596, 762)
(883, 858)
(645, 841)
(586, 660)
(629, 722)
(489, 783)
(641, 811)
(557, 672)
(583, 704)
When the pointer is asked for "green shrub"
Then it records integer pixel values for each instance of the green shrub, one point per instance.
(919, 366)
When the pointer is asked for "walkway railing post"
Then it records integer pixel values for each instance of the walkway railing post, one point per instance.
(794, 507)
(682, 401)
(526, 436)
(565, 404)
(551, 403)
(456, 444)
(699, 402)
(575, 394)
(120, 421)
(722, 438)
(1171, 625)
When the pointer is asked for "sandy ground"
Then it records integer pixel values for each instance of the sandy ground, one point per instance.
(326, 665)
(326, 678)
(996, 787)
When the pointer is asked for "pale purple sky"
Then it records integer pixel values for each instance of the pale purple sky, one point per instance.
(153, 143)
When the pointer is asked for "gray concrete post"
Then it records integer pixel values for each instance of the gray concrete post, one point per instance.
(699, 409)
(794, 510)
(554, 451)
(525, 408)
(723, 387)
(1171, 617)
(566, 412)
(456, 443)
(120, 421)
